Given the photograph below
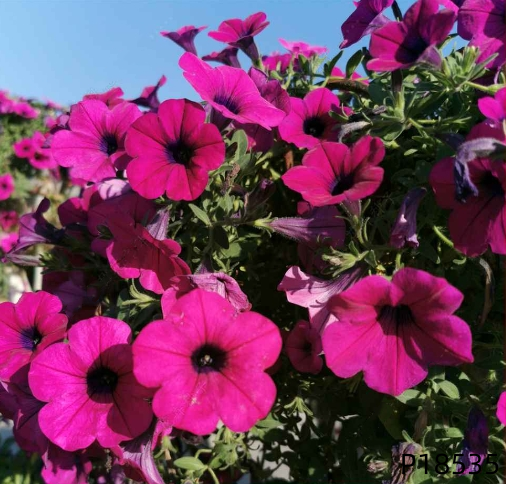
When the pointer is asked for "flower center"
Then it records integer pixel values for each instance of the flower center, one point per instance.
(228, 102)
(342, 184)
(30, 338)
(180, 153)
(314, 127)
(396, 314)
(209, 358)
(109, 144)
(101, 380)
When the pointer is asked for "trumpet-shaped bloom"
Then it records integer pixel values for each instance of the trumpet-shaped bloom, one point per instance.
(174, 151)
(302, 48)
(483, 23)
(303, 346)
(367, 17)
(404, 229)
(208, 362)
(184, 37)
(475, 442)
(231, 92)
(227, 56)
(393, 331)
(309, 121)
(6, 186)
(149, 96)
(399, 45)
(94, 147)
(27, 327)
(89, 387)
(239, 33)
(112, 97)
(333, 173)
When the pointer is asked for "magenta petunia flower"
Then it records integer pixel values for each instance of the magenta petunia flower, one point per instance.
(480, 221)
(333, 173)
(302, 48)
(8, 242)
(367, 17)
(227, 56)
(149, 96)
(184, 37)
(94, 146)
(501, 408)
(303, 346)
(6, 186)
(404, 230)
(208, 363)
(309, 121)
(42, 158)
(483, 23)
(62, 467)
(240, 33)
(112, 97)
(393, 331)
(399, 45)
(313, 293)
(91, 391)
(24, 110)
(8, 219)
(231, 92)
(173, 151)
(494, 108)
(337, 72)
(27, 327)
(134, 253)
(24, 148)
(277, 62)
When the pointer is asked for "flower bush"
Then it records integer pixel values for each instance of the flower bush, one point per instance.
(296, 277)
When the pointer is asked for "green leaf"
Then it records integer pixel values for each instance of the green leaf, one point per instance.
(200, 214)
(353, 63)
(327, 68)
(461, 480)
(420, 477)
(241, 140)
(190, 464)
(411, 397)
(449, 389)
(390, 417)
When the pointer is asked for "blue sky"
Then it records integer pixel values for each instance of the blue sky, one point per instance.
(63, 49)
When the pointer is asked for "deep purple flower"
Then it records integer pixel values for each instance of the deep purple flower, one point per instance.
(184, 37)
(475, 444)
(227, 56)
(404, 230)
(149, 96)
(239, 33)
(364, 20)
(399, 45)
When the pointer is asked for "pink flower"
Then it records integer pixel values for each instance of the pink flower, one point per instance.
(277, 62)
(173, 151)
(91, 391)
(336, 72)
(62, 467)
(313, 293)
(399, 45)
(134, 253)
(393, 331)
(239, 33)
(494, 108)
(231, 92)
(309, 121)
(227, 56)
(112, 97)
(24, 148)
(364, 20)
(184, 37)
(42, 158)
(480, 221)
(501, 408)
(24, 110)
(149, 96)
(483, 23)
(210, 364)
(8, 219)
(26, 328)
(6, 186)
(8, 242)
(303, 346)
(302, 48)
(333, 173)
(94, 146)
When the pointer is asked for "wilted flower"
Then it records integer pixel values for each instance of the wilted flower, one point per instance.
(227, 56)
(404, 229)
(475, 442)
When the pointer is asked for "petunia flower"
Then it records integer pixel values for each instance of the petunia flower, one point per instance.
(8, 242)
(24, 148)
(367, 17)
(24, 110)
(42, 158)
(399, 45)
(404, 230)
(62, 467)
(302, 48)
(149, 96)
(94, 147)
(494, 108)
(27, 327)
(475, 442)
(480, 221)
(303, 346)
(6, 186)
(184, 37)
(173, 151)
(333, 173)
(208, 362)
(394, 330)
(501, 408)
(227, 56)
(483, 23)
(112, 97)
(240, 33)
(277, 62)
(313, 293)
(231, 92)
(89, 387)
(309, 121)
(8, 219)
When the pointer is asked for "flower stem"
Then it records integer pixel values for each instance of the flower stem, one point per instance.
(214, 476)
(443, 237)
